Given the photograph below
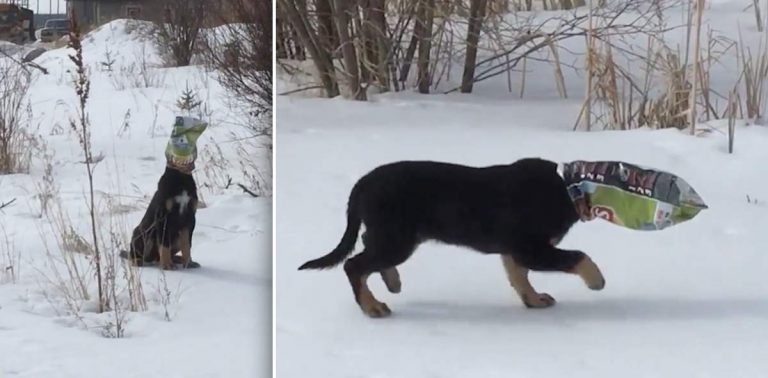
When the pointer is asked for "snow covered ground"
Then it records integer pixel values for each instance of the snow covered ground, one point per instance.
(689, 301)
(220, 314)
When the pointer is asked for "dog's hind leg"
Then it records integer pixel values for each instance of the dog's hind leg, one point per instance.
(547, 258)
(381, 254)
(390, 276)
(358, 269)
(518, 278)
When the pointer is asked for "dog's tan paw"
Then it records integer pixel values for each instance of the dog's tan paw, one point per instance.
(539, 300)
(168, 267)
(376, 309)
(590, 274)
(392, 280)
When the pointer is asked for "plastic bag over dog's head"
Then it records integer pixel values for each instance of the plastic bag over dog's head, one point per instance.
(629, 195)
(181, 150)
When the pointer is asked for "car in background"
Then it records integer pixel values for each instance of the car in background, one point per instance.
(54, 29)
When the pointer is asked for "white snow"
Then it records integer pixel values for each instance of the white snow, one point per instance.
(221, 313)
(688, 301)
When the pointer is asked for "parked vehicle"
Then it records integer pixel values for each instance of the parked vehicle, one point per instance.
(54, 29)
(16, 24)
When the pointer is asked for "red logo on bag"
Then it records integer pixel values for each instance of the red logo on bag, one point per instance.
(603, 212)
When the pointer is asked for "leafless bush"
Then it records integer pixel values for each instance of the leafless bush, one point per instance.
(213, 168)
(15, 139)
(256, 173)
(240, 50)
(178, 31)
(139, 74)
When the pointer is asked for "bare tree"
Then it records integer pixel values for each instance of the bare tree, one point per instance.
(178, 31)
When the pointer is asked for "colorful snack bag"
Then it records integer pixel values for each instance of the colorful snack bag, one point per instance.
(632, 196)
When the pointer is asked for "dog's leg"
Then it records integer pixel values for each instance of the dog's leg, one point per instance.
(547, 258)
(165, 257)
(589, 273)
(391, 279)
(382, 253)
(185, 243)
(185, 247)
(518, 278)
(192, 222)
(363, 295)
(390, 276)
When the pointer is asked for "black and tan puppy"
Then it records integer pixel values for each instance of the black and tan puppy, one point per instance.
(520, 211)
(168, 224)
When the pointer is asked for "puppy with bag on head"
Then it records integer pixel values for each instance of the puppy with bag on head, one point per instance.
(169, 222)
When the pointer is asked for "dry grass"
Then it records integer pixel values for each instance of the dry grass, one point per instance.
(71, 266)
(47, 188)
(78, 258)
(141, 73)
(167, 298)
(67, 271)
(10, 259)
(754, 69)
(671, 91)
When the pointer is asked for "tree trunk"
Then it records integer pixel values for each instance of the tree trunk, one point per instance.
(377, 46)
(325, 30)
(280, 45)
(423, 31)
(365, 37)
(406, 69)
(476, 17)
(320, 57)
(348, 50)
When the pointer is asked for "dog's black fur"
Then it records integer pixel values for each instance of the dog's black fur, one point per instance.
(520, 210)
(167, 222)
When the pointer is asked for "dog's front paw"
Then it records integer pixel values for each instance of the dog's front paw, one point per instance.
(538, 300)
(191, 265)
(590, 273)
(170, 266)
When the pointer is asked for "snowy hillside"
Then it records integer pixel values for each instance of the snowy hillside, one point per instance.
(688, 301)
(211, 322)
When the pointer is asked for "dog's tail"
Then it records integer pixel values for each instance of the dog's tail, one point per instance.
(348, 240)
